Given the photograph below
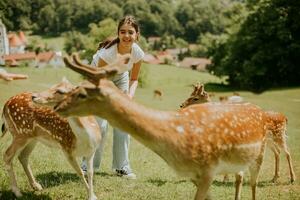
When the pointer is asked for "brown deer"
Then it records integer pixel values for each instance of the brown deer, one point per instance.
(199, 95)
(278, 121)
(157, 93)
(29, 123)
(198, 142)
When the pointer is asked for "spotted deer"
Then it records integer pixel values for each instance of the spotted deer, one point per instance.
(29, 123)
(198, 142)
(277, 137)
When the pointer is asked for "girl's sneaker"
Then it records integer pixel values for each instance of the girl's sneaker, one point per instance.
(124, 173)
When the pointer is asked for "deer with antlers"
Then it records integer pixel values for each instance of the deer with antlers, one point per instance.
(198, 142)
(29, 123)
(277, 136)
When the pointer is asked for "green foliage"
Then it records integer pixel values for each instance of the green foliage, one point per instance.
(169, 42)
(264, 52)
(103, 30)
(143, 76)
(75, 41)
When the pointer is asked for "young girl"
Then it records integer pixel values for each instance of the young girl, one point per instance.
(128, 34)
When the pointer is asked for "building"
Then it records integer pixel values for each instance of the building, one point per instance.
(17, 42)
(12, 51)
(4, 46)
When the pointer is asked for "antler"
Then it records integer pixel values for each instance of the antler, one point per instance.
(93, 74)
(198, 89)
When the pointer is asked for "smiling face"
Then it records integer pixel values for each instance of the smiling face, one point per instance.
(127, 35)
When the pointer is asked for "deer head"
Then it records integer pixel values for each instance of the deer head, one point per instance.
(54, 94)
(199, 95)
(88, 91)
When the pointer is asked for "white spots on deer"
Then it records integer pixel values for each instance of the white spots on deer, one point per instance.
(199, 130)
(180, 129)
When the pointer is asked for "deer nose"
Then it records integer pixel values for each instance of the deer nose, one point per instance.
(56, 107)
(33, 97)
(181, 106)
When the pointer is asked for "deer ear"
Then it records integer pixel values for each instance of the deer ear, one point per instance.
(65, 80)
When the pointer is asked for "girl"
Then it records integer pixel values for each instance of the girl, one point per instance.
(128, 34)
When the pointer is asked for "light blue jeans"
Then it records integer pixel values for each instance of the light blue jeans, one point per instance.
(121, 140)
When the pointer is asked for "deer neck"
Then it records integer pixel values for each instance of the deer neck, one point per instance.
(146, 125)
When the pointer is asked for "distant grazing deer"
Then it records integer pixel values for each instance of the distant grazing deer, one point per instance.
(278, 121)
(198, 142)
(199, 95)
(157, 94)
(29, 123)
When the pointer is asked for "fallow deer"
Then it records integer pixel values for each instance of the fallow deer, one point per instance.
(157, 93)
(278, 121)
(29, 123)
(198, 142)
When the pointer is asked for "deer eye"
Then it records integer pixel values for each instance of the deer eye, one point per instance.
(195, 99)
(81, 96)
(59, 92)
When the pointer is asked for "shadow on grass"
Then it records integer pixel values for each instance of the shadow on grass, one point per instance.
(260, 184)
(159, 182)
(54, 178)
(103, 174)
(223, 184)
(9, 195)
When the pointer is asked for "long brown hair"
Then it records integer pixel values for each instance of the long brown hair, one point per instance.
(130, 20)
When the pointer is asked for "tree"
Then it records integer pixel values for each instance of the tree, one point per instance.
(265, 51)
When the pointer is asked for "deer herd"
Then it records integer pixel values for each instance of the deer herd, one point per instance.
(200, 140)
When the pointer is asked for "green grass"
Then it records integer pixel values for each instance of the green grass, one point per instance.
(155, 179)
(53, 43)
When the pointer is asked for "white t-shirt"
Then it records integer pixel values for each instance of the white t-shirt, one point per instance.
(110, 55)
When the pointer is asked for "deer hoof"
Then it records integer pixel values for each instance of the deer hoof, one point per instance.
(93, 197)
(37, 186)
(17, 193)
(275, 179)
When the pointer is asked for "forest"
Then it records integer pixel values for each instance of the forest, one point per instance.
(254, 43)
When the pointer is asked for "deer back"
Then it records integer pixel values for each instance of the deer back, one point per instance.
(23, 117)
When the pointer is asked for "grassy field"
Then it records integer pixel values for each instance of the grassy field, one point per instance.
(155, 179)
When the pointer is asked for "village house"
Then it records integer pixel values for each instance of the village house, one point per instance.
(12, 51)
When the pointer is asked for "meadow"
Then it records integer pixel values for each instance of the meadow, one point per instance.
(155, 179)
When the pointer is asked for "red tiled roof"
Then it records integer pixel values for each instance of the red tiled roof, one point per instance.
(45, 56)
(149, 58)
(20, 56)
(22, 37)
(14, 40)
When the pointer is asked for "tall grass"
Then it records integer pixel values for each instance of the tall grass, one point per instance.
(155, 179)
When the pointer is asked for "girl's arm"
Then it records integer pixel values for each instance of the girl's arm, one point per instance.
(133, 83)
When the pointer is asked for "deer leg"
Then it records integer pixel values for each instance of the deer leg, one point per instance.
(276, 152)
(226, 178)
(203, 184)
(23, 158)
(289, 159)
(72, 160)
(238, 185)
(255, 168)
(15, 147)
(90, 174)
